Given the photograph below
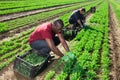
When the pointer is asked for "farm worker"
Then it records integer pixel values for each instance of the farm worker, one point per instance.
(77, 18)
(47, 36)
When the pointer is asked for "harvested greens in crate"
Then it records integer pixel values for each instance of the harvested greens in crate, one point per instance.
(30, 64)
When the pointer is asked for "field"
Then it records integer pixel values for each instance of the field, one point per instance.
(96, 46)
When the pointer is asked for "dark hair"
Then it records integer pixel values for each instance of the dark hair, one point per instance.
(58, 21)
(83, 9)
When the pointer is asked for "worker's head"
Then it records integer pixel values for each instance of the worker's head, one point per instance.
(82, 11)
(58, 25)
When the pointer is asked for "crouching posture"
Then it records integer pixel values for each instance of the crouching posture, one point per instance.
(47, 36)
(77, 18)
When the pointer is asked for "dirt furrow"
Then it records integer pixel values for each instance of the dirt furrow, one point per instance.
(32, 12)
(114, 45)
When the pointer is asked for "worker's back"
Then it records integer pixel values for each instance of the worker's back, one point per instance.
(76, 16)
(41, 32)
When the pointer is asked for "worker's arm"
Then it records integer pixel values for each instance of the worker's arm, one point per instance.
(63, 42)
(79, 22)
(53, 47)
(76, 15)
(83, 18)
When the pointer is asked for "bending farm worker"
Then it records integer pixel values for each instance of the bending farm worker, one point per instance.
(47, 36)
(77, 18)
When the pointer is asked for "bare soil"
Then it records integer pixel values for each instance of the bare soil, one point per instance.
(114, 36)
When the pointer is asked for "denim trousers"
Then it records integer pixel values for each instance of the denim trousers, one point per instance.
(42, 47)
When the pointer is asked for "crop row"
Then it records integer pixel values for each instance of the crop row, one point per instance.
(20, 22)
(64, 17)
(91, 49)
(7, 7)
(8, 51)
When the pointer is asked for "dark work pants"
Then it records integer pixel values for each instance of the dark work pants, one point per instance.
(42, 47)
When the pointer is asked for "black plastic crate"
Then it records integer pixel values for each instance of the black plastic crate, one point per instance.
(69, 34)
(27, 69)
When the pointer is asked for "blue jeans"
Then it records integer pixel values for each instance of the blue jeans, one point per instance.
(42, 47)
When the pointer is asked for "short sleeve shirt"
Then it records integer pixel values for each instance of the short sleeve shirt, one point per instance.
(42, 32)
(76, 16)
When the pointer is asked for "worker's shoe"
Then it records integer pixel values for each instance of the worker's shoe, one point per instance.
(50, 58)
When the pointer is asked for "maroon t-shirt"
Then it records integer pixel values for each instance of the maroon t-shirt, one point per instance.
(42, 32)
